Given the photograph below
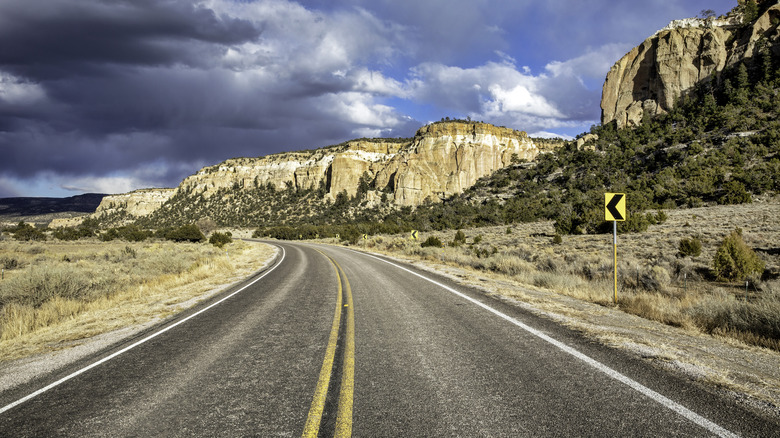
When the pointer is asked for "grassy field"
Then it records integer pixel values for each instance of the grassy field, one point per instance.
(654, 281)
(55, 293)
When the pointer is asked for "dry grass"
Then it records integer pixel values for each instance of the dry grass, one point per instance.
(58, 292)
(654, 282)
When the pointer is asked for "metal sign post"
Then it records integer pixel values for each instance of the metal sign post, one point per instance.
(614, 259)
(614, 210)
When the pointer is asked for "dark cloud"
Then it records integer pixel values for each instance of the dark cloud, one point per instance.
(96, 94)
(95, 88)
(41, 39)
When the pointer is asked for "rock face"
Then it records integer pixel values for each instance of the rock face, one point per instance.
(447, 158)
(337, 169)
(652, 76)
(441, 160)
(137, 203)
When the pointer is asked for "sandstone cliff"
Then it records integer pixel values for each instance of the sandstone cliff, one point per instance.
(447, 158)
(441, 160)
(336, 168)
(652, 76)
(137, 203)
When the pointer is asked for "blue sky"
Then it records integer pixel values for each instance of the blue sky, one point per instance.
(115, 95)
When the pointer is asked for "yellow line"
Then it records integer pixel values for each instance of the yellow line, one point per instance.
(312, 427)
(346, 393)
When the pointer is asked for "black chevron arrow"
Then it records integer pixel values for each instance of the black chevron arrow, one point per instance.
(612, 206)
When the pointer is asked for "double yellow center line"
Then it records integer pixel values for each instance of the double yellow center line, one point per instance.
(346, 389)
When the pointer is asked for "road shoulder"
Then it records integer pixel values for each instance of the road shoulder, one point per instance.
(750, 375)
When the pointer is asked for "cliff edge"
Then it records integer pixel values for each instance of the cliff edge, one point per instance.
(651, 77)
(443, 159)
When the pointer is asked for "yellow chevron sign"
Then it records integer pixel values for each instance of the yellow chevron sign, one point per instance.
(615, 206)
(414, 235)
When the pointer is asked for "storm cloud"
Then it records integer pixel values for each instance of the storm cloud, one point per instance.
(114, 95)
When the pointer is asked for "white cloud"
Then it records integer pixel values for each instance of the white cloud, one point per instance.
(103, 184)
(496, 92)
(375, 82)
(298, 40)
(518, 99)
(565, 95)
(154, 174)
(546, 134)
(14, 90)
(593, 64)
(359, 108)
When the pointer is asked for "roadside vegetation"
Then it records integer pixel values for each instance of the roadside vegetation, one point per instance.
(701, 290)
(63, 291)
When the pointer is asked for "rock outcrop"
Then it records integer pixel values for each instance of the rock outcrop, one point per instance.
(336, 169)
(652, 76)
(67, 222)
(447, 158)
(441, 160)
(138, 203)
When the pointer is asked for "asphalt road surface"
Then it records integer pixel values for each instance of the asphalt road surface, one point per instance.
(424, 357)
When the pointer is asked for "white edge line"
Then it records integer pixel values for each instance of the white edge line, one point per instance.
(670, 404)
(130, 347)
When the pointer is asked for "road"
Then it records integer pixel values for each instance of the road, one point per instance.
(425, 357)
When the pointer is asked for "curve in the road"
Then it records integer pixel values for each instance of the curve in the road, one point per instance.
(141, 342)
(665, 401)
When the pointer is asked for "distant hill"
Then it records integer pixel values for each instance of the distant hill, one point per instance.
(26, 207)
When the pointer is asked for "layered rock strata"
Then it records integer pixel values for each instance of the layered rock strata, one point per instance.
(138, 203)
(442, 159)
(447, 158)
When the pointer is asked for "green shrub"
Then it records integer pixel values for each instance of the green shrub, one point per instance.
(735, 193)
(129, 233)
(9, 263)
(109, 235)
(27, 232)
(690, 247)
(636, 222)
(133, 233)
(185, 233)
(432, 241)
(734, 260)
(131, 252)
(459, 239)
(72, 233)
(221, 239)
(557, 239)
